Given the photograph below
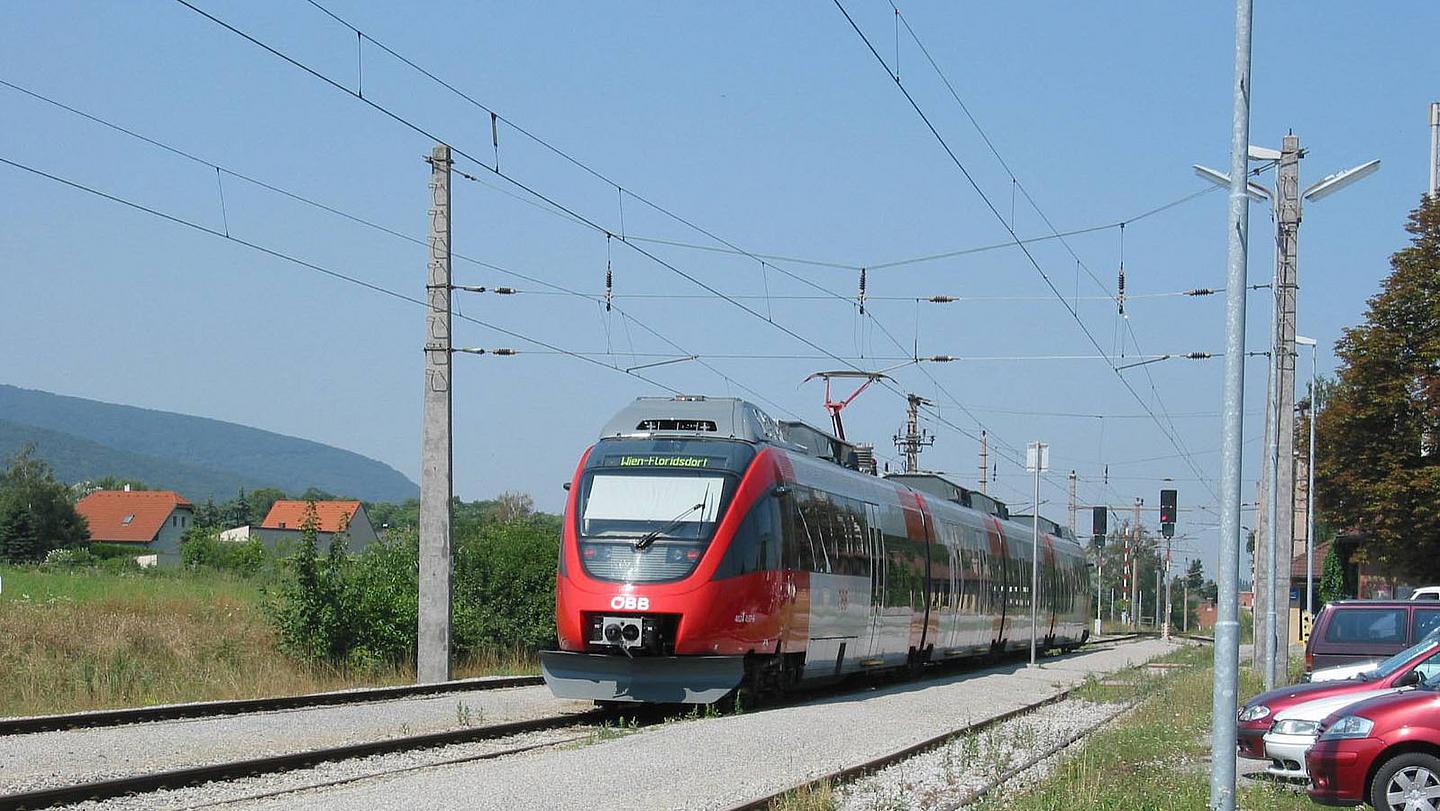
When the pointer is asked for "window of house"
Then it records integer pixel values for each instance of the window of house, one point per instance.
(126, 521)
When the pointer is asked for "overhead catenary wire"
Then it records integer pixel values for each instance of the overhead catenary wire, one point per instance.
(331, 209)
(1173, 433)
(539, 196)
(335, 274)
(1009, 229)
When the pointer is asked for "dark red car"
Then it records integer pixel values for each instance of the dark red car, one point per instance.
(1410, 666)
(1381, 751)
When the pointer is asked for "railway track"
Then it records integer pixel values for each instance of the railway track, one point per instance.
(207, 709)
(195, 775)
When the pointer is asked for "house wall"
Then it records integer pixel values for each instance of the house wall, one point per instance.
(167, 541)
(362, 532)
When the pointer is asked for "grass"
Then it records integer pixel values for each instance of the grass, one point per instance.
(1156, 757)
(90, 639)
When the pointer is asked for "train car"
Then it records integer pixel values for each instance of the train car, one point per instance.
(708, 547)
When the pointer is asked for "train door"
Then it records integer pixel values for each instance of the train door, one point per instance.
(999, 581)
(875, 548)
(1050, 585)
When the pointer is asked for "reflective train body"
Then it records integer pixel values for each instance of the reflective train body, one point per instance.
(708, 547)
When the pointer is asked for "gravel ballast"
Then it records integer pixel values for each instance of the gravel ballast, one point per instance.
(725, 761)
(52, 759)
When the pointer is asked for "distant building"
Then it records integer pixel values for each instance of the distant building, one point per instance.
(282, 526)
(150, 520)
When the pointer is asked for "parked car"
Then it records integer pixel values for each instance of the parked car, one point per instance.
(1295, 728)
(1380, 751)
(1426, 593)
(1259, 713)
(1352, 631)
(1338, 672)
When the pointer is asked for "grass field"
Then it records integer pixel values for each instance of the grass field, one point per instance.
(89, 639)
(1156, 757)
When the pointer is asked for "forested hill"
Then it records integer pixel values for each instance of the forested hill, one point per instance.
(198, 457)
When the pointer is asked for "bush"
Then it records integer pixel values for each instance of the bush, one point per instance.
(203, 549)
(363, 610)
(69, 559)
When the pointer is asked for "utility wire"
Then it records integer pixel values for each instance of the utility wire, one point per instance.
(335, 274)
(1009, 229)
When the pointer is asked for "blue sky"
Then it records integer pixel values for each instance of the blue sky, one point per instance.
(770, 125)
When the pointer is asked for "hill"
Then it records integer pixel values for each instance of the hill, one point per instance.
(199, 457)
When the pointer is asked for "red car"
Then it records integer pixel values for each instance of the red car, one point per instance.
(1410, 666)
(1380, 751)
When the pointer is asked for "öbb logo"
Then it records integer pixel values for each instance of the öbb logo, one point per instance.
(628, 602)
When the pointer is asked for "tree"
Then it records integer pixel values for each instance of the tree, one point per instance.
(1378, 471)
(512, 506)
(1332, 576)
(1195, 575)
(36, 511)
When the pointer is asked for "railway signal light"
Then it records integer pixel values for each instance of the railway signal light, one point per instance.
(1097, 525)
(1167, 513)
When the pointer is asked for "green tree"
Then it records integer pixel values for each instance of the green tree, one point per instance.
(37, 513)
(1332, 576)
(1378, 470)
(1195, 575)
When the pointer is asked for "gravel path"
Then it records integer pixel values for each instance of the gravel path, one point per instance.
(49, 759)
(720, 762)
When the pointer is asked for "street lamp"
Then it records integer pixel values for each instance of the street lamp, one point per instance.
(1310, 485)
(1285, 206)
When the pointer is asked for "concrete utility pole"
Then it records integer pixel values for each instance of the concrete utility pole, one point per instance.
(437, 456)
(1434, 147)
(1073, 504)
(915, 439)
(1227, 574)
(1282, 551)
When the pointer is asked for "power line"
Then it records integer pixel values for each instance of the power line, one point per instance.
(335, 274)
(1009, 229)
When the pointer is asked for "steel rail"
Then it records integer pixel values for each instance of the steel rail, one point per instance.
(205, 709)
(196, 775)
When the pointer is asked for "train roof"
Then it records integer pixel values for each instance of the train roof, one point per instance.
(937, 484)
(696, 416)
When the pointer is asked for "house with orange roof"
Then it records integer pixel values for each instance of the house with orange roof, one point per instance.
(151, 521)
(286, 520)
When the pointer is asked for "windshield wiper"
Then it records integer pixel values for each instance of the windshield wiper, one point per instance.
(649, 537)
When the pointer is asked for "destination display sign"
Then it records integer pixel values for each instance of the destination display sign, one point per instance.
(658, 460)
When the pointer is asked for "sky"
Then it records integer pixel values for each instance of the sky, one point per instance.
(770, 128)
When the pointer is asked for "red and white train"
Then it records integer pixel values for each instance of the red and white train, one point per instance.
(707, 546)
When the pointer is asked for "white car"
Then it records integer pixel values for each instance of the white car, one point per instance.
(1426, 593)
(1340, 672)
(1295, 730)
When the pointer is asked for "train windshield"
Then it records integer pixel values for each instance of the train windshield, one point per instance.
(653, 507)
(647, 508)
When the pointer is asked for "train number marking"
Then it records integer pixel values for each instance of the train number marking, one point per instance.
(629, 602)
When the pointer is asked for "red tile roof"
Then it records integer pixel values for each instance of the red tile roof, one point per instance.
(1297, 563)
(333, 515)
(129, 517)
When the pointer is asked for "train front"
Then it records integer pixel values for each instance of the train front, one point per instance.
(644, 611)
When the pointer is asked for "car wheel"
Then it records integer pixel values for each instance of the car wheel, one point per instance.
(1408, 782)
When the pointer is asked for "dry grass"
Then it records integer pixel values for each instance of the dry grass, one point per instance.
(89, 640)
(820, 797)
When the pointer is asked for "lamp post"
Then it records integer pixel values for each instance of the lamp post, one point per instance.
(1310, 485)
(1037, 459)
(1285, 202)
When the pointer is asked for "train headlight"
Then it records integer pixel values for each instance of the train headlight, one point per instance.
(631, 632)
(612, 633)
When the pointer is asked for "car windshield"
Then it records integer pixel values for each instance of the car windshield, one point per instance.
(1398, 661)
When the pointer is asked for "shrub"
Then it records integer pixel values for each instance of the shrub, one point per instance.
(363, 610)
(203, 549)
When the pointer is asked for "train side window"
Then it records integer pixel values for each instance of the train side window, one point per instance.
(756, 545)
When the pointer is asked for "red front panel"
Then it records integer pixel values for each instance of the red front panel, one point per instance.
(732, 616)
